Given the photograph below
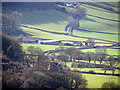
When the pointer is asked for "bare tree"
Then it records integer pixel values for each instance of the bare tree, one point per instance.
(101, 54)
(89, 56)
(113, 63)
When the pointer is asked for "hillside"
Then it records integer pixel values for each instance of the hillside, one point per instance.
(101, 25)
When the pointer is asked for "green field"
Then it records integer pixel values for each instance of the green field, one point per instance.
(109, 51)
(43, 47)
(95, 81)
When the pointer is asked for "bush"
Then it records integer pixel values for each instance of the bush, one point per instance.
(91, 71)
(110, 85)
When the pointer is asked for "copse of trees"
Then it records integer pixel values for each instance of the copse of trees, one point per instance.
(11, 22)
(11, 47)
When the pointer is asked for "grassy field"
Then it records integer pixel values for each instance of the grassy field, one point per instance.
(43, 47)
(95, 81)
(109, 51)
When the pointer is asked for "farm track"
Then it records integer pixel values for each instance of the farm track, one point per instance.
(66, 34)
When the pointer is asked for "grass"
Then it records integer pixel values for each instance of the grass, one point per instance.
(43, 47)
(97, 35)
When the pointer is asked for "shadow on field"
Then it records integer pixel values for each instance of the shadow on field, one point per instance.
(37, 17)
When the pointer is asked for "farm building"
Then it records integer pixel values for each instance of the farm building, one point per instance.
(50, 42)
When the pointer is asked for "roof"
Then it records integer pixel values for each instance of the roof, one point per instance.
(49, 40)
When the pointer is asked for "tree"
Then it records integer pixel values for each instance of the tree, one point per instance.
(73, 22)
(89, 56)
(76, 79)
(77, 54)
(101, 54)
(69, 52)
(110, 86)
(33, 51)
(11, 23)
(16, 17)
(113, 63)
(63, 57)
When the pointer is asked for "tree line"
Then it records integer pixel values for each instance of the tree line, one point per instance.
(108, 62)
